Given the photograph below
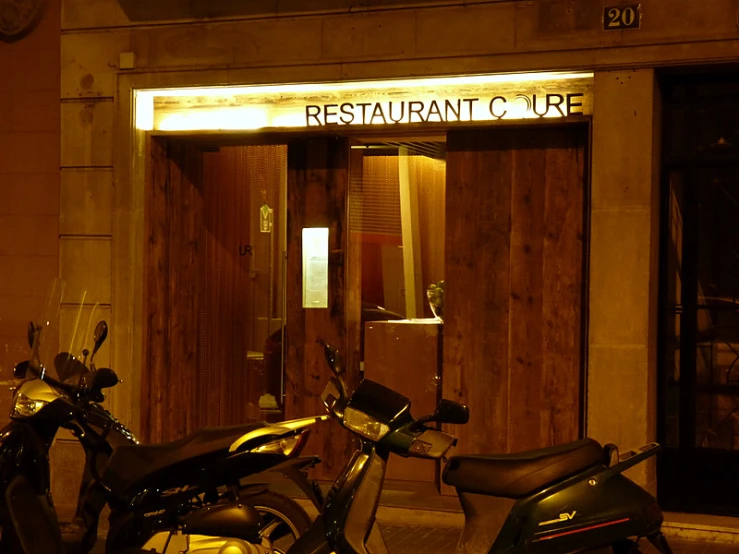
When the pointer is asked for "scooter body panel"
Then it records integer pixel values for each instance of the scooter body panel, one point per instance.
(347, 524)
(593, 509)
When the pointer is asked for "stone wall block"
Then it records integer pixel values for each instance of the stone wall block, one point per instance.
(29, 235)
(86, 14)
(27, 275)
(23, 153)
(29, 194)
(87, 133)
(466, 30)
(86, 202)
(369, 35)
(620, 388)
(621, 172)
(619, 277)
(90, 62)
(85, 265)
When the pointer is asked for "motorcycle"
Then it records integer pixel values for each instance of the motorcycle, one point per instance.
(558, 500)
(206, 493)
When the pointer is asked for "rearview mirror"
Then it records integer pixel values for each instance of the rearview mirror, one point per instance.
(104, 378)
(449, 411)
(334, 357)
(100, 334)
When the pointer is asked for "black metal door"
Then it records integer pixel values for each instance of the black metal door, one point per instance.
(699, 393)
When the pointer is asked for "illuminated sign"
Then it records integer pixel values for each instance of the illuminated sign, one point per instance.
(443, 111)
(447, 100)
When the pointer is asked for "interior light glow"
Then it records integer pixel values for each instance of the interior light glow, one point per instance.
(246, 118)
(144, 110)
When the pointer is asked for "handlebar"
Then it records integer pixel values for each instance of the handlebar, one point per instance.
(381, 415)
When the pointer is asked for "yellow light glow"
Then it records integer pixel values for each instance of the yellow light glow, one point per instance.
(367, 103)
(227, 118)
(144, 110)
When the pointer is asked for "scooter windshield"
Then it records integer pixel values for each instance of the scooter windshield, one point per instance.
(62, 337)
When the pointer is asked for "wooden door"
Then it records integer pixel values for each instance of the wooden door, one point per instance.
(174, 221)
(318, 185)
(513, 333)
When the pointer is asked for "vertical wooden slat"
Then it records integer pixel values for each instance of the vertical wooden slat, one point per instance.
(563, 286)
(157, 300)
(318, 178)
(353, 264)
(478, 224)
(526, 302)
(174, 215)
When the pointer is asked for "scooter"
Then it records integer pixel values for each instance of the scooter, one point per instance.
(564, 499)
(188, 496)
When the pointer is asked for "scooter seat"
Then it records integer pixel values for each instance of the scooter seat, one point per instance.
(131, 464)
(518, 475)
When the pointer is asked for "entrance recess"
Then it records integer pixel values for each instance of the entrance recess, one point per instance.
(498, 214)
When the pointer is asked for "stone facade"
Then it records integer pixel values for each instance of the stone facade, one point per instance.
(111, 48)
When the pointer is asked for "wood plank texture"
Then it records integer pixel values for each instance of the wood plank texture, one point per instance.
(513, 325)
(318, 178)
(174, 224)
(209, 299)
(241, 293)
(476, 318)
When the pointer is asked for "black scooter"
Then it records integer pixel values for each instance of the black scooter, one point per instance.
(569, 498)
(188, 496)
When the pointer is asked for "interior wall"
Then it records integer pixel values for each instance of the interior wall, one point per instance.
(241, 301)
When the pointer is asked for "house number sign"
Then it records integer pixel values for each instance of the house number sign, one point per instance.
(616, 18)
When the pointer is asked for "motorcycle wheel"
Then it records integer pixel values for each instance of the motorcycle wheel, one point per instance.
(284, 519)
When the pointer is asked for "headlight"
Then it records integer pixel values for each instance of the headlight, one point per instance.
(365, 425)
(23, 406)
(286, 446)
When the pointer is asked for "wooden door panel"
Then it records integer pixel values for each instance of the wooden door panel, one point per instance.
(514, 264)
(172, 298)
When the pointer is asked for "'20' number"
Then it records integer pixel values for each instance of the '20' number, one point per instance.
(622, 17)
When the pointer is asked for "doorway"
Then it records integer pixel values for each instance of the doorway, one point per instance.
(699, 384)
